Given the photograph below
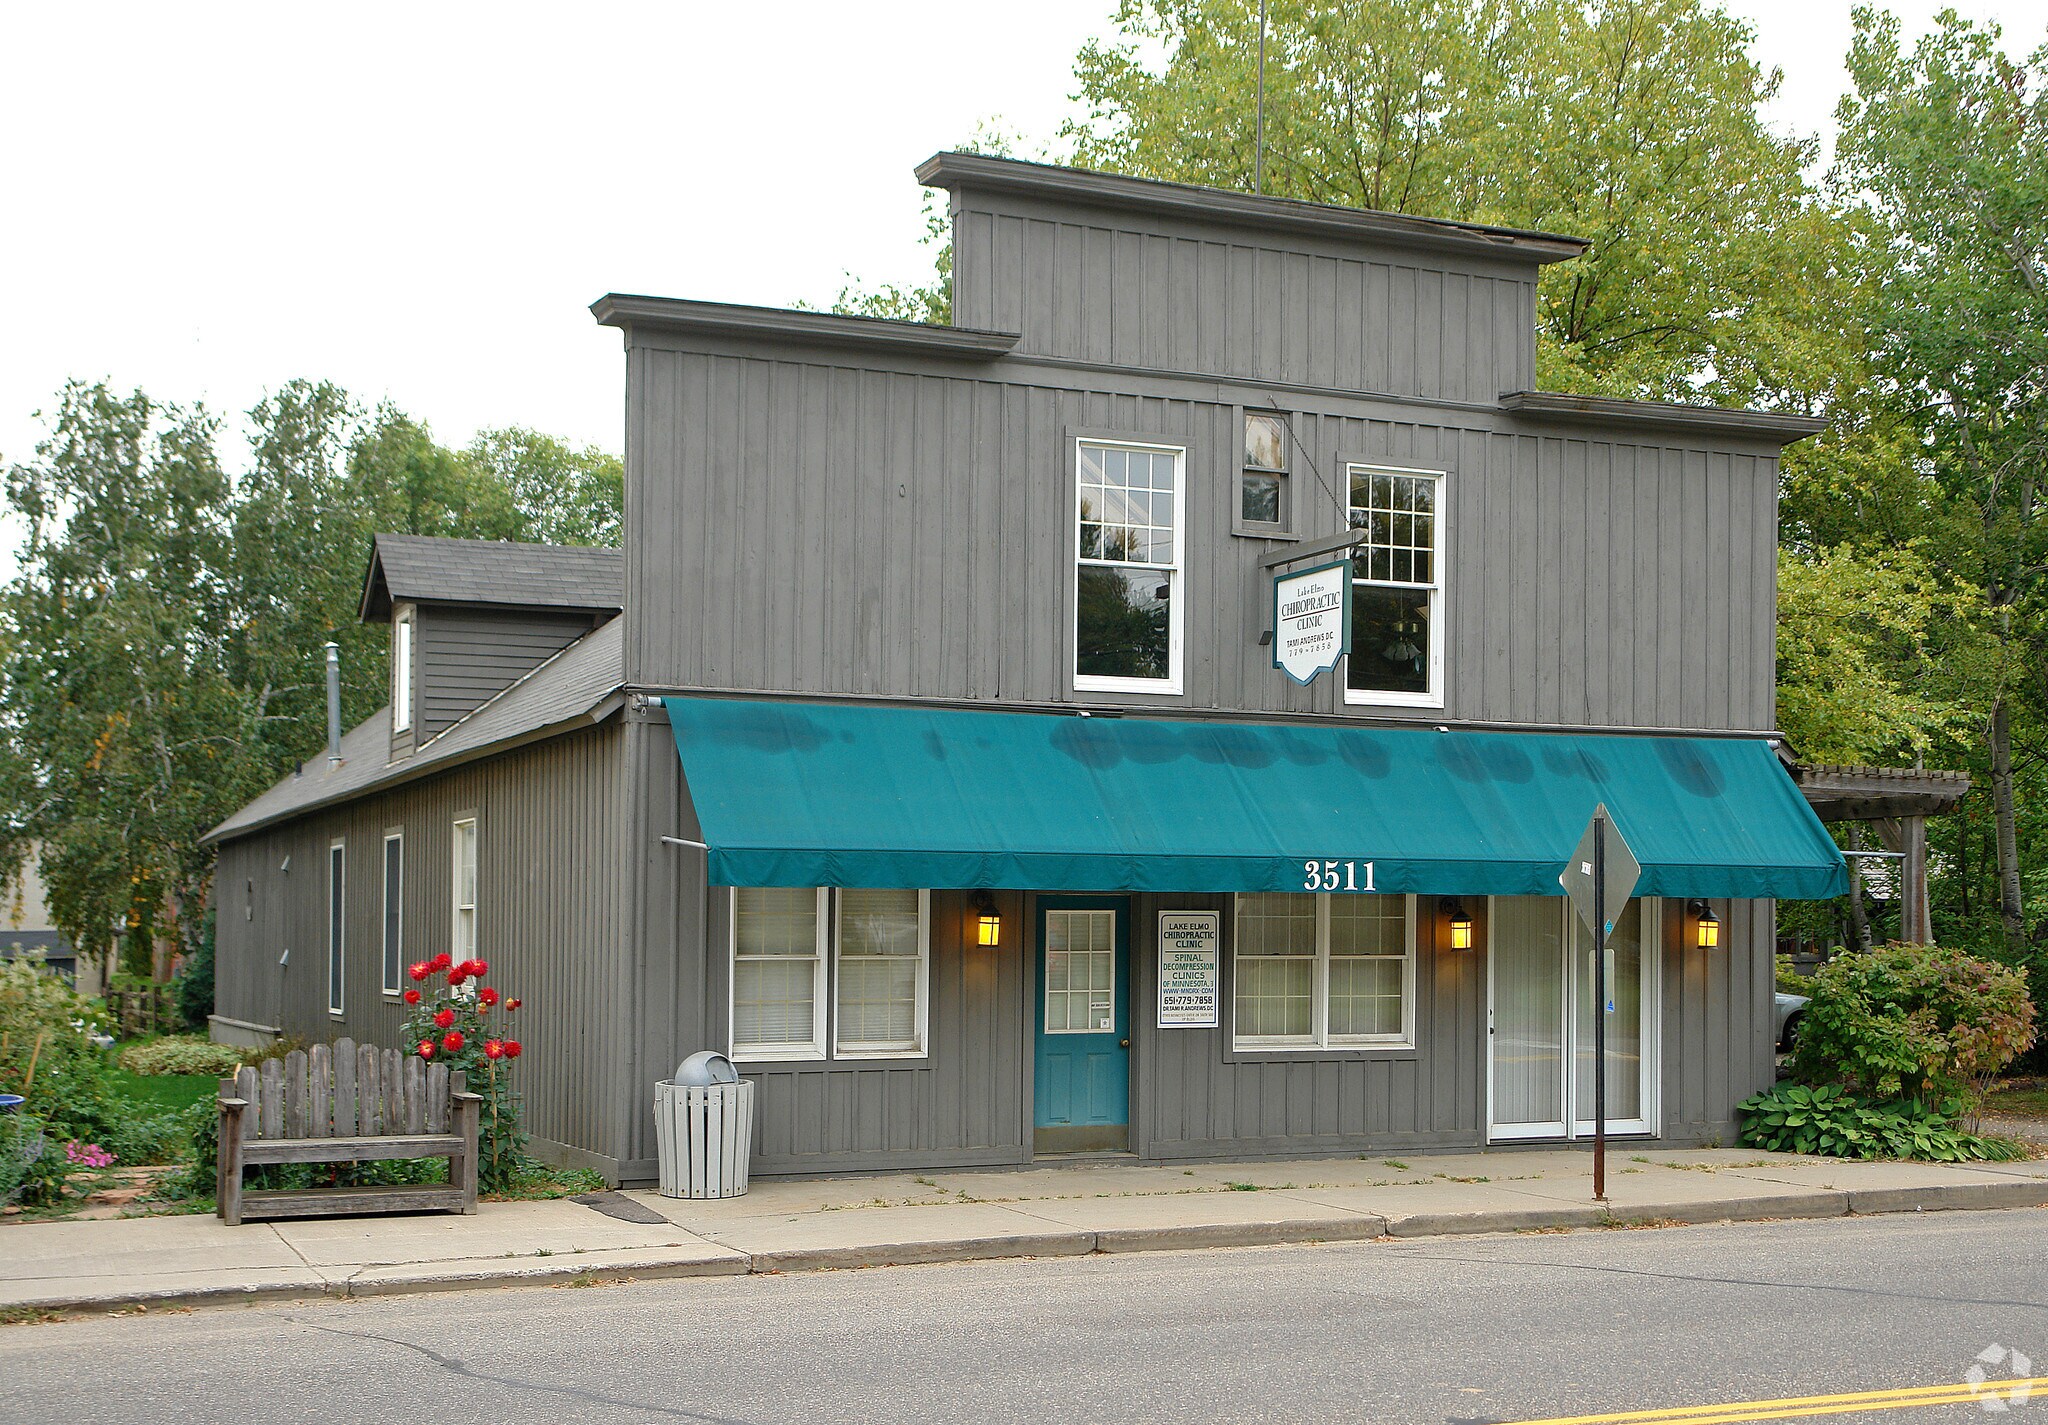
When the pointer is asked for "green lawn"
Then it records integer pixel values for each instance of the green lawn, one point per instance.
(2018, 1098)
(160, 1091)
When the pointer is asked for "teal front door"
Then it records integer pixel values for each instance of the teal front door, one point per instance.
(1083, 1072)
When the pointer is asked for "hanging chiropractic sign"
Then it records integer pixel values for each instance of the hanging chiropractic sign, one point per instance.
(1311, 619)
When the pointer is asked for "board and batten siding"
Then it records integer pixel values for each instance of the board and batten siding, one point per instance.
(1163, 294)
(809, 527)
(467, 656)
(548, 915)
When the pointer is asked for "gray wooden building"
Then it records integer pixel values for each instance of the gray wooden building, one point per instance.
(925, 747)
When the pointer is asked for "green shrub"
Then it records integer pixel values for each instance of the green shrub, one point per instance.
(22, 1145)
(1833, 1123)
(1790, 981)
(181, 1054)
(47, 1053)
(1913, 1022)
(194, 985)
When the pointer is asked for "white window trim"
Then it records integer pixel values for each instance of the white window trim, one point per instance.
(337, 927)
(1176, 613)
(1434, 698)
(1321, 1041)
(922, 1048)
(1046, 991)
(776, 1053)
(455, 902)
(393, 972)
(401, 667)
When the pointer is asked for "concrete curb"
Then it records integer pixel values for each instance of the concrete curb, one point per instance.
(555, 1272)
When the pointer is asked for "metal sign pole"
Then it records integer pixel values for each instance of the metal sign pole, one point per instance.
(1599, 1008)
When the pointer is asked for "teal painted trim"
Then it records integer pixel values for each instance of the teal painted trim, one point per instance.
(1083, 1080)
(820, 794)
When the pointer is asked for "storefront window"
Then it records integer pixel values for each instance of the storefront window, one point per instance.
(1127, 617)
(1323, 971)
(777, 973)
(1396, 588)
(883, 942)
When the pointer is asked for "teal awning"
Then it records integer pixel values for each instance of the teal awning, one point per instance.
(817, 794)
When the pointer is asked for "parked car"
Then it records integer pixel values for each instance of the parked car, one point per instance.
(1791, 1010)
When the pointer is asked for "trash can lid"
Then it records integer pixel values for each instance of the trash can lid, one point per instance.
(707, 1066)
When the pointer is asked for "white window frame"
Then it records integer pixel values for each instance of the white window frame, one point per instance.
(1176, 575)
(814, 1048)
(1320, 1040)
(1434, 698)
(1045, 989)
(402, 648)
(456, 903)
(920, 1048)
(337, 926)
(394, 899)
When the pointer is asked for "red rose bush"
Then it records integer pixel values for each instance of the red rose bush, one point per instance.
(449, 1015)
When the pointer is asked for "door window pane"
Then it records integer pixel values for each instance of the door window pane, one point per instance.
(1527, 945)
(1624, 1025)
(1080, 971)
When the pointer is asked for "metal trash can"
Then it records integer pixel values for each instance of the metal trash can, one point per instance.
(704, 1128)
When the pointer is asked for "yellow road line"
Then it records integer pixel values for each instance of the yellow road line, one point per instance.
(1795, 1407)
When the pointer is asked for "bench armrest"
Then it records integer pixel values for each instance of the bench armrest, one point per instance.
(237, 1104)
(466, 1097)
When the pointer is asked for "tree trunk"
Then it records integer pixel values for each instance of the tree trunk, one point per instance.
(2009, 908)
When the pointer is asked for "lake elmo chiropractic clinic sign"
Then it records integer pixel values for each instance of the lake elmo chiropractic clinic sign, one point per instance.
(1311, 619)
(1190, 981)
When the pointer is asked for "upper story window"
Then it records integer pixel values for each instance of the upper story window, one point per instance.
(401, 668)
(1127, 596)
(1397, 635)
(1262, 484)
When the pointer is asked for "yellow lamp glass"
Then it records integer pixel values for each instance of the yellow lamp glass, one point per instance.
(1461, 927)
(991, 928)
(1707, 935)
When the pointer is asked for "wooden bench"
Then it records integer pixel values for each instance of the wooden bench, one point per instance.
(346, 1103)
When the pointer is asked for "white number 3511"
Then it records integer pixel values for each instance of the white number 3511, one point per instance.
(1336, 876)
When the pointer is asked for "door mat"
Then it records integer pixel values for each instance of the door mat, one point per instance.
(617, 1204)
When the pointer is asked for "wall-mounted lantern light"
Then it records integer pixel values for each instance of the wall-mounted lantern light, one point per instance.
(1461, 924)
(1706, 926)
(988, 921)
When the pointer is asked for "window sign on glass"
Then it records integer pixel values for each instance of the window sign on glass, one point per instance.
(1262, 486)
(1396, 580)
(1126, 629)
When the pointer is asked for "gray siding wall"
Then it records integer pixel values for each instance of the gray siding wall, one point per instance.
(1114, 288)
(801, 525)
(469, 655)
(548, 919)
(967, 1103)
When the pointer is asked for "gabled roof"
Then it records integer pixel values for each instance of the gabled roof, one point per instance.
(429, 568)
(1081, 186)
(578, 687)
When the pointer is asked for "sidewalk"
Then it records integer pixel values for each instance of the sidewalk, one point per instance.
(1068, 1210)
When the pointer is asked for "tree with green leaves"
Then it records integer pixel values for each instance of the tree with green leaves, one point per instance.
(564, 494)
(1943, 159)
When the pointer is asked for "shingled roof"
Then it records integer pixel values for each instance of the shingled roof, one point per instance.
(578, 687)
(428, 568)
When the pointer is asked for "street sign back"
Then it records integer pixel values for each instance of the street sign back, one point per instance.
(1623, 871)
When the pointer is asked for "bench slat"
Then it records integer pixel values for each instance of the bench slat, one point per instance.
(344, 1088)
(334, 1202)
(294, 1094)
(319, 1092)
(370, 1102)
(415, 1095)
(437, 1098)
(352, 1150)
(270, 1120)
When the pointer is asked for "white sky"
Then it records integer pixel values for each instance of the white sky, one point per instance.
(420, 200)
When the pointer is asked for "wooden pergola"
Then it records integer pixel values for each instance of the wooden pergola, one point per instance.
(1896, 801)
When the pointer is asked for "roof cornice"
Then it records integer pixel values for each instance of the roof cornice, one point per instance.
(616, 309)
(1186, 200)
(1562, 409)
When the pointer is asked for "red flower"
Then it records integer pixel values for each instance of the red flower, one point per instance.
(512, 1004)
(426, 1048)
(479, 968)
(452, 1041)
(494, 1048)
(443, 1018)
(455, 978)
(511, 1048)
(488, 996)
(441, 961)
(412, 996)
(420, 970)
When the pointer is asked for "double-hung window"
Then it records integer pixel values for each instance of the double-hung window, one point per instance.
(1127, 596)
(394, 912)
(337, 871)
(1262, 484)
(883, 941)
(801, 956)
(463, 944)
(1397, 633)
(778, 972)
(1322, 971)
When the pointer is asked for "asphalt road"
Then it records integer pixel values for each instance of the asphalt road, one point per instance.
(1470, 1329)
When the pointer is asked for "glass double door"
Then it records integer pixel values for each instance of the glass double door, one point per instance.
(1540, 1020)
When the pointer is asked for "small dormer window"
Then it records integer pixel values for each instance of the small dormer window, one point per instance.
(401, 668)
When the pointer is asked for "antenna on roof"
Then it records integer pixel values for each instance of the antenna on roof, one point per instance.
(1259, 138)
